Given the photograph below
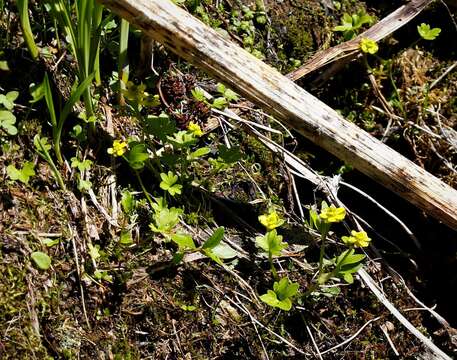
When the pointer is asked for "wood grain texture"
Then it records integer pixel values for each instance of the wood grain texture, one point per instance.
(258, 82)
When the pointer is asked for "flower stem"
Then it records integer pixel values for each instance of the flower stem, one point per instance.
(322, 251)
(272, 267)
(148, 197)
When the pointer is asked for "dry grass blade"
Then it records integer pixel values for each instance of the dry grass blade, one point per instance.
(436, 352)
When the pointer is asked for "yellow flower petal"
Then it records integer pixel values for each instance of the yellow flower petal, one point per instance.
(271, 220)
(357, 238)
(332, 214)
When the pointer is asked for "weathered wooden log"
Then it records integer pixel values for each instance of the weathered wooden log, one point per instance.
(204, 47)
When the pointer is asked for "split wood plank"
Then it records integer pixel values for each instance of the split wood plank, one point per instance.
(377, 32)
(201, 45)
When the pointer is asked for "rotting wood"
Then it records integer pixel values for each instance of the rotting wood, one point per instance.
(377, 32)
(204, 47)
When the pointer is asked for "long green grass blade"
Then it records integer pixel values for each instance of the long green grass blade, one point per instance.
(123, 67)
(83, 87)
(75, 97)
(23, 8)
(49, 100)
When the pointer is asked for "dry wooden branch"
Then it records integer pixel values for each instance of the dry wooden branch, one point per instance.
(258, 82)
(377, 32)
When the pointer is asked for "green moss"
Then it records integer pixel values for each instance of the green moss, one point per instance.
(19, 338)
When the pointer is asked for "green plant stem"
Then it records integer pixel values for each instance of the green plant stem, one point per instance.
(322, 250)
(397, 94)
(148, 197)
(45, 155)
(335, 271)
(272, 267)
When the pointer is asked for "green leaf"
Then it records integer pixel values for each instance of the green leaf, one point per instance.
(160, 126)
(427, 33)
(165, 220)
(271, 299)
(229, 155)
(271, 243)
(188, 307)
(37, 92)
(7, 116)
(49, 100)
(94, 251)
(84, 185)
(81, 165)
(8, 100)
(41, 144)
(49, 242)
(4, 65)
(224, 251)
(221, 88)
(125, 238)
(177, 258)
(214, 239)
(12, 95)
(348, 257)
(128, 202)
(198, 153)
(23, 175)
(137, 155)
(348, 278)
(74, 97)
(42, 260)
(198, 94)
(184, 241)
(285, 289)
(219, 103)
(7, 121)
(182, 139)
(213, 256)
(168, 183)
(230, 95)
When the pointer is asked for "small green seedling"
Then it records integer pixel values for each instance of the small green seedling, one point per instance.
(128, 202)
(281, 295)
(228, 94)
(271, 243)
(428, 33)
(7, 100)
(24, 174)
(81, 165)
(7, 118)
(168, 183)
(165, 220)
(350, 24)
(212, 247)
(94, 251)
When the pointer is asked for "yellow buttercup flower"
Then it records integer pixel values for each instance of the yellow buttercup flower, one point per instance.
(332, 214)
(195, 129)
(369, 46)
(271, 220)
(119, 148)
(357, 238)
